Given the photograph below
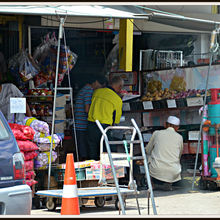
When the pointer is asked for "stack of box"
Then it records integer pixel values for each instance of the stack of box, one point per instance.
(60, 115)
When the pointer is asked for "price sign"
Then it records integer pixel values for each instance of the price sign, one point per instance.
(126, 107)
(17, 105)
(197, 101)
(171, 103)
(148, 105)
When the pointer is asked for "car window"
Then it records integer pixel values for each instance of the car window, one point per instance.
(4, 134)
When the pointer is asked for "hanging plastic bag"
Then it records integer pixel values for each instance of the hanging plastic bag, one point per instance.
(44, 55)
(27, 68)
(67, 61)
(13, 67)
(23, 66)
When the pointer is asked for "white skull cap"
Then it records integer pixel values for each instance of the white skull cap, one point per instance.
(173, 120)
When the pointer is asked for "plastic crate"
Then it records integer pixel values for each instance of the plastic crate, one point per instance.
(181, 103)
(156, 104)
(136, 106)
(163, 103)
(60, 173)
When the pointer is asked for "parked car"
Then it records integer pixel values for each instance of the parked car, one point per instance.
(15, 195)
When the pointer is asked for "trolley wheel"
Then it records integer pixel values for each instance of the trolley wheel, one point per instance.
(37, 202)
(117, 204)
(51, 204)
(212, 186)
(202, 184)
(99, 202)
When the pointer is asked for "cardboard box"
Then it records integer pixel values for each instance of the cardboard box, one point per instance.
(94, 174)
(60, 100)
(123, 162)
(60, 126)
(60, 113)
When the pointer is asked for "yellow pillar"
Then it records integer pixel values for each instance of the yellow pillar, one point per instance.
(20, 31)
(126, 44)
(214, 9)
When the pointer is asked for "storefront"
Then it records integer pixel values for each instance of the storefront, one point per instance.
(159, 94)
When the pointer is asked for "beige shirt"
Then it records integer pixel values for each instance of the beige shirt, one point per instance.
(164, 151)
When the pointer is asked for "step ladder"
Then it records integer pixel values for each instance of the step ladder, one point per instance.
(124, 159)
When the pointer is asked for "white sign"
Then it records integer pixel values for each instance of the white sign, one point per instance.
(193, 135)
(171, 103)
(196, 101)
(148, 105)
(122, 162)
(126, 106)
(17, 105)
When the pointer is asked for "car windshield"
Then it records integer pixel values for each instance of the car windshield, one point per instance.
(4, 134)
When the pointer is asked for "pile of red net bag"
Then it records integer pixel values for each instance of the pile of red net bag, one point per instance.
(24, 136)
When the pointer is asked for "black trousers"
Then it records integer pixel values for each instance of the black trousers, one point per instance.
(82, 144)
(94, 137)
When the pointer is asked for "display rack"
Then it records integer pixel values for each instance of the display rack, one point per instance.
(160, 59)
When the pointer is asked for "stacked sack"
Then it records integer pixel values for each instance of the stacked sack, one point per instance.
(24, 136)
(43, 140)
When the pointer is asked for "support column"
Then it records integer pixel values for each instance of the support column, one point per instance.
(20, 31)
(126, 44)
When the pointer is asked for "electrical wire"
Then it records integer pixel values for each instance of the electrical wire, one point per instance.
(136, 26)
(86, 22)
(155, 10)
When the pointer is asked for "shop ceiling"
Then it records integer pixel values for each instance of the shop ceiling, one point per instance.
(110, 11)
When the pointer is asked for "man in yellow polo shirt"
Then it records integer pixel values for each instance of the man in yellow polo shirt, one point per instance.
(106, 107)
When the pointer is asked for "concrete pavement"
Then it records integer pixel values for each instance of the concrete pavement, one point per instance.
(180, 202)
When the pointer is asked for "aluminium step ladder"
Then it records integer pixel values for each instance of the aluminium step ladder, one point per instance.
(126, 158)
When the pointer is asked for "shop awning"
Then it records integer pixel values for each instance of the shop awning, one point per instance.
(171, 19)
(111, 11)
(69, 10)
(183, 21)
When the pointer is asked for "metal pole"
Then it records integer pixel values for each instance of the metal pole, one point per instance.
(201, 123)
(140, 61)
(71, 101)
(29, 40)
(112, 166)
(133, 183)
(145, 166)
(55, 96)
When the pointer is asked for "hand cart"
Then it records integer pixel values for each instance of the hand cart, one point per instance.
(99, 195)
(104, 193)
(127, 158)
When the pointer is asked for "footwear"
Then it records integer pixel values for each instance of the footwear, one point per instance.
(164, 187)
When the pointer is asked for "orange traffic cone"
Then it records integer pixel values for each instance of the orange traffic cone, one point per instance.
(70, 202)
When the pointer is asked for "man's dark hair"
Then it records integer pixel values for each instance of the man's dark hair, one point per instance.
(91, 78)
(102, 80)
(116, 80)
